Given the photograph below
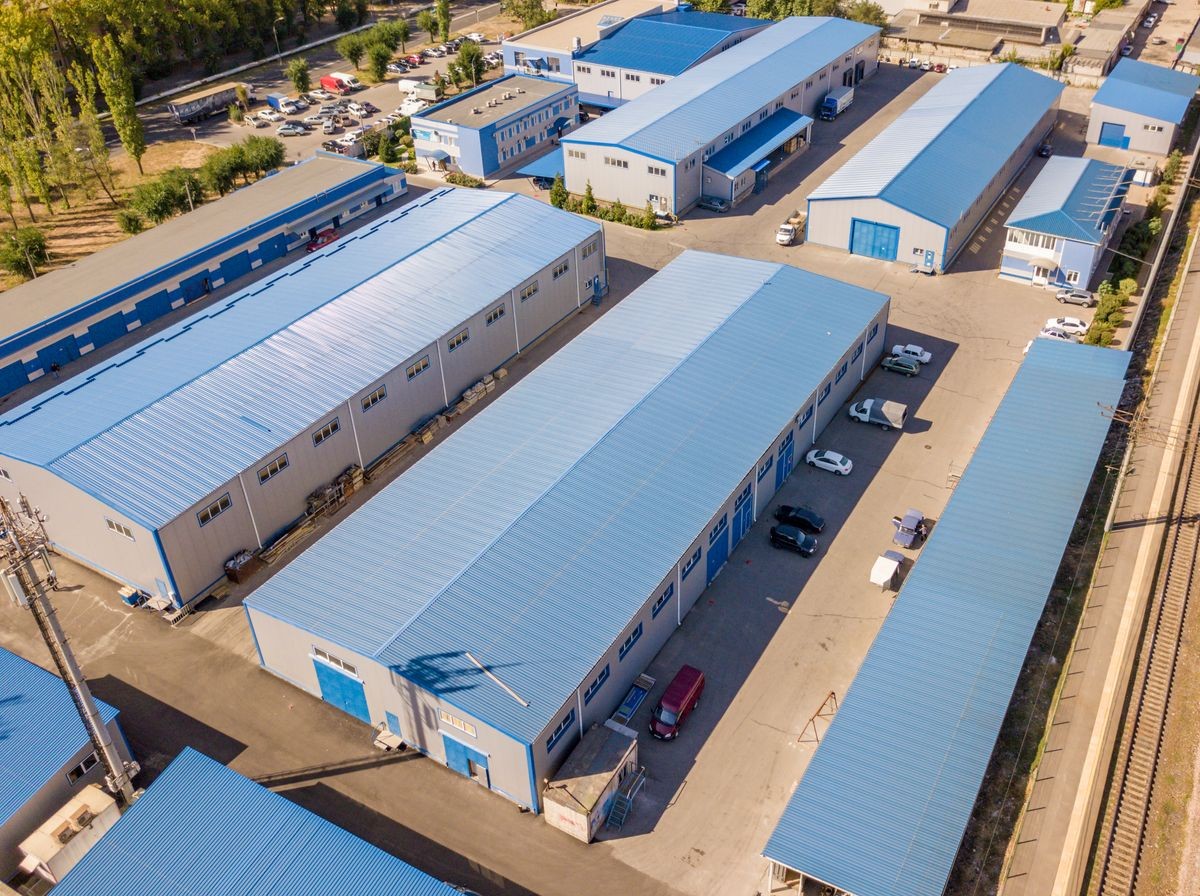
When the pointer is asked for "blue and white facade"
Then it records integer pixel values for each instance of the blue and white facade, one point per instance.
(646, 52)
(203, 828)
(496, 125)
(916, 192)
(1140, 106)
(46, 757)
(721, 128)
(65, 314)
(1059, 231)
(553, 543)
(207, 441)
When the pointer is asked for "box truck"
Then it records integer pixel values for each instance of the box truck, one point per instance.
(836, 102)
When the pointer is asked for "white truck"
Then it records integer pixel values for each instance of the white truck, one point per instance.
(836, 102)
(884, 414)
(790, 229)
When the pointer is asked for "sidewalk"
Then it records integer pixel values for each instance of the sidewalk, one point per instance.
(1052, 850)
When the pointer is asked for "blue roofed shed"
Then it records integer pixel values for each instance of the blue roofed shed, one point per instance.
(43, 748)
(203, 830)
(919, 189)
(1058, 233)
(884, 802)
(555, 541)
(1140, 106)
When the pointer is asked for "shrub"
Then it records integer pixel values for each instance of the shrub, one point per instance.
(588, 204)
(463, 180)
(370, 143)
(130, 221)
(558, 192)
(617, 213)
(23, 252)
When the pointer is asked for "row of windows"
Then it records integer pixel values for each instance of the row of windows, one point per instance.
(214, 510)
(691, 563)
(459, 338)
(89, 762)
(373, 398)
(627, 644)
(576, 154)
(590, 248)
(615, 163)
(495, 314)
(657, 81)
(1157, 128)
(584, 69)
(326, 656)
(596, 685)
(119, 528)
(560, 730)
(632, 77)
(1029, 238)
(328, 431)
(561, 268)
(607, 73)
(274, 468)
(417, 367)
(529, 291)
(455, 722)
(653, 169)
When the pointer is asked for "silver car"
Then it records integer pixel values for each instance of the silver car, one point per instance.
(1075, 297)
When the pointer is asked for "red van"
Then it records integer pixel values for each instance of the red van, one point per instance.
(678, 701)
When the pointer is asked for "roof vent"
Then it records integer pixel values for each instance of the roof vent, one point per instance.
(520, 90)
(476, 111)
(576, 44)
(507, 95)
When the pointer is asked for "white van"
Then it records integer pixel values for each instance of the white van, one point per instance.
(408, 85)
(350, 81)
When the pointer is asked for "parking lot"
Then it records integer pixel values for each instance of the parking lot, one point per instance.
(776, 633)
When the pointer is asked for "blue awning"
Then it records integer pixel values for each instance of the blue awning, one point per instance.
(762, 166)
(440, 154)
(550, 165)
(748, 150)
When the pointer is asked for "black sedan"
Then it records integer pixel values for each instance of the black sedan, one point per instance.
(793, 539)
(801, 517)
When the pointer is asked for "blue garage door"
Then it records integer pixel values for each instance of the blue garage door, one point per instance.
(718, 546)
(275, 247)
(12, 377)
(154, 307)
(61, 353)
(465, 760)
(743, 515)
(342, 691)
(783, 466)
(232, 268)
(1112, 134)
(874, 240)
(105, 331)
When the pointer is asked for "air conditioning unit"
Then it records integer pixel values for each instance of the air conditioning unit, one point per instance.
(476, 111)
(65, 833)
(55, 847)
(520, 90)
(507, 95)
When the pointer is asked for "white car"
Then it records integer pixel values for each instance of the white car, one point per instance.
(270, 115)
(412, 107)
(829, 460)
(477, 37)
(1056, 333)
(315, 120)
(1072, 325)
(322, 95)
(913, 352)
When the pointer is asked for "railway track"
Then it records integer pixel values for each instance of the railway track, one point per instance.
(1124, 824)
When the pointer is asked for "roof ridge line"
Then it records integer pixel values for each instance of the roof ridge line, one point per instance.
(465, 567)
(421, 203)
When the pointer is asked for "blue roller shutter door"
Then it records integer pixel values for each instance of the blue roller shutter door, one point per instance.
(12, 377)
(61, 353)
(237, 266)
(154, 307)
(340, 690)
(874, 240)
(718, 547)
(1113, 134)
(102, 332)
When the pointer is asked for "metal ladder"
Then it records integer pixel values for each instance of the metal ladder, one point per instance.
(622, 803)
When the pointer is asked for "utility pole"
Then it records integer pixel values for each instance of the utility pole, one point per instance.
(27, 574)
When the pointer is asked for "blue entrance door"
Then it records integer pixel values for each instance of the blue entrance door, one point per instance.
(1113, 134)
(783, 466)
(466, 761)
(342, 691)
(874, 240)
(761, 175)
(718, 546)
(743, 515)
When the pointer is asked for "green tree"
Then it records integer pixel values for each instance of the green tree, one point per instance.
(649, 219)
(220, 171)
(866, 11)
(456, 75)
(362, 12)
(442, 11)
(391, 34)
(6, 198)
(401, 30)
(116, 83)
(351, 48)
(588, 205)
(243, 95)
(558, 192)
(63, 152)
(130, 221)
(470, 62)
(389, 153)
(617, 212)
(343, 14)
(297, 72)
(826, 7)
(709, 5)
(263, 154)
(23, 252)
(530, 13)
(378, 57)
(427, 21)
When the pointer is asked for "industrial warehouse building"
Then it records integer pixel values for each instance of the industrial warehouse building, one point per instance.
(883, 805)
(65, 314)
(918, 190)
(721, 128)
(1060, 230)
(495, 125)
(46, 757)
(646, 52)
(1140, 106)
(202, 828)
(551, 546)
(185, 451)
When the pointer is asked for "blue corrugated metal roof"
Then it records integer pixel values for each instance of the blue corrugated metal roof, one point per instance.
(667, 44)
(674, 120)
(884, 803)
(550, 165)
(1149, 90)
(940, 154)
(1072, 198)
(163, 423)
(203, 830)
(748, 149)
(40, 730)
(547, 520)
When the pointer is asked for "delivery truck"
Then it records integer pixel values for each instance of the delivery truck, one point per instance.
(835, 103)
(281, 102)
(201, 104)
(884, 414)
